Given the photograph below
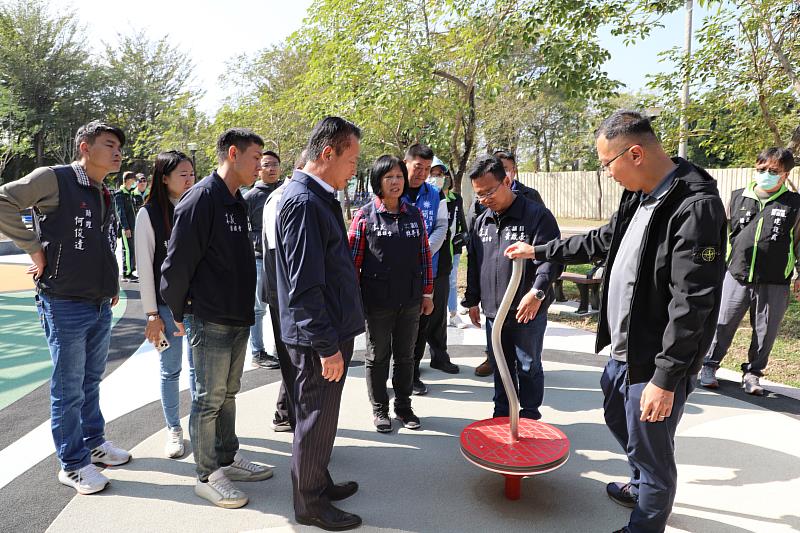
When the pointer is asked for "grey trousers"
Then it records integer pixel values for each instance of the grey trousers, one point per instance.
(767, 304)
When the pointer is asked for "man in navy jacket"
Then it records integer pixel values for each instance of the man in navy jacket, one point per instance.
(321, 314)
(210, 269)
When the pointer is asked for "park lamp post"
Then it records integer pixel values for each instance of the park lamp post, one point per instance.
(193, 149)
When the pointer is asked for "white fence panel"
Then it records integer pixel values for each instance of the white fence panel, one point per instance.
(591, 195)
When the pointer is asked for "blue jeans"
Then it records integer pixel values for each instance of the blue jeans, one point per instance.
(219, 353)
(257, 329)
(452, 299)
(171, 362)
(522, 346)
(650, 446)
(78, 334)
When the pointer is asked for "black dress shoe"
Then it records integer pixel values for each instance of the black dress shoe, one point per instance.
(331, 519)
(622, 494)
(446, 367)
(340, 491)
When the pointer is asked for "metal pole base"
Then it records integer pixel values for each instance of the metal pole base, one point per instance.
(513, 487)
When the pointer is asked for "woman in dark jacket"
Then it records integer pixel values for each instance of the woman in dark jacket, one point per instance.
(392, 257)
(173, 175)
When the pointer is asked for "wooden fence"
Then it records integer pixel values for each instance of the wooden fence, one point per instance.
(596, 196)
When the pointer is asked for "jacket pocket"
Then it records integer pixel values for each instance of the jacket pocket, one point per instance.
(375, 287)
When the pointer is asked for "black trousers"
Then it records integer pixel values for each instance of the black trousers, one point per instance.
(391, 333)
(433, 327)
(284, 409)
(317, 411)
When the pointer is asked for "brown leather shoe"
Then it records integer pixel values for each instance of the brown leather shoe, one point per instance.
(484, 369)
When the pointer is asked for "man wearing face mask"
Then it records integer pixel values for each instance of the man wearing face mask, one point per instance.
(764, 227)
(430, 201)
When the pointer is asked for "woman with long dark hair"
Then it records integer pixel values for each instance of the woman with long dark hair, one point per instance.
(173, 175)
(390, 250)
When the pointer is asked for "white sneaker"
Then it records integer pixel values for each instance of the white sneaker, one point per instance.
(243, 470)
(109, 455)
(174, 446)
(708, 377)
(752, 385)
(87, 480)
(220, 491)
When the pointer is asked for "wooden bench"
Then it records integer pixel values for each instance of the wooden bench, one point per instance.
(589, 289)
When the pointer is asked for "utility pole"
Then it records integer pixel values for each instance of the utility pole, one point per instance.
(684, 126)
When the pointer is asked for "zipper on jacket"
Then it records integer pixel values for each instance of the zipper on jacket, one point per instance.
(58, 262)
(755, 247)
(639, 272)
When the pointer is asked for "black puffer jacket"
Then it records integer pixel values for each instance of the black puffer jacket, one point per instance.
(676, 297)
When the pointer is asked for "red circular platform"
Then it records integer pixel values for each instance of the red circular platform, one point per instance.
(540, 448)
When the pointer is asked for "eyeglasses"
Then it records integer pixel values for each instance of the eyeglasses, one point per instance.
(489, 194)
(270, 165)
(606, 167)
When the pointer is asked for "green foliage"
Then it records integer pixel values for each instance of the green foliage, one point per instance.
(744, 96)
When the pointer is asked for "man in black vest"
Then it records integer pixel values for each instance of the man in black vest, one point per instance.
(210, 267)
(764, 220)
(321, 314)
(76, 275)
(256, 197)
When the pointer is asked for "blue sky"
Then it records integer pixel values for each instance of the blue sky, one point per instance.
(215, 32)
(632, 64)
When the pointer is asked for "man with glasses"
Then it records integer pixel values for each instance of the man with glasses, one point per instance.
(268, 180)
(510, 166)
(663, 251)
(767, 213)
(510, 218)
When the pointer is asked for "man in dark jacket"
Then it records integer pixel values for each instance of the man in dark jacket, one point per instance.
(321, 314)
(126, 206)
(510, 217)
(210, 268)
(510, 166)
(664, 251)
(256, 198)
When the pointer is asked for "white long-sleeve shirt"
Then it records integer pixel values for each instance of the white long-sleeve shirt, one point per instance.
(144, 243)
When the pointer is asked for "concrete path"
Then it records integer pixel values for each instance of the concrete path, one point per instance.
(731, 455)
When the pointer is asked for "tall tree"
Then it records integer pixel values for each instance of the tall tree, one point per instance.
(144, 79)
(43, 64)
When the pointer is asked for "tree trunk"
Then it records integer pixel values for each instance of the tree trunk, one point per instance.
(38, 143)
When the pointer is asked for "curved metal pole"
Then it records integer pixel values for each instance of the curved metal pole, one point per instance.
(497, 348)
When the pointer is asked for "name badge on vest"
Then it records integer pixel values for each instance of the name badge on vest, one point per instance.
(81, 223)
(514, 233)
(411, 229)
(233, 226)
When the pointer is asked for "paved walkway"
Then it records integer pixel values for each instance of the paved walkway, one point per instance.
(738, 456)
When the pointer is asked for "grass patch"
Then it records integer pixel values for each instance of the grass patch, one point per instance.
(784, 360)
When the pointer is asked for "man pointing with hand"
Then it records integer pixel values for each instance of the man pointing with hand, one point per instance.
(664, 266)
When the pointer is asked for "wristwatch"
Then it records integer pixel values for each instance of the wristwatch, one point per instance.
(539, 294)
(153, 317)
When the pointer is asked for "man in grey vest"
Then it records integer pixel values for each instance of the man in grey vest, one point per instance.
(75, 269)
